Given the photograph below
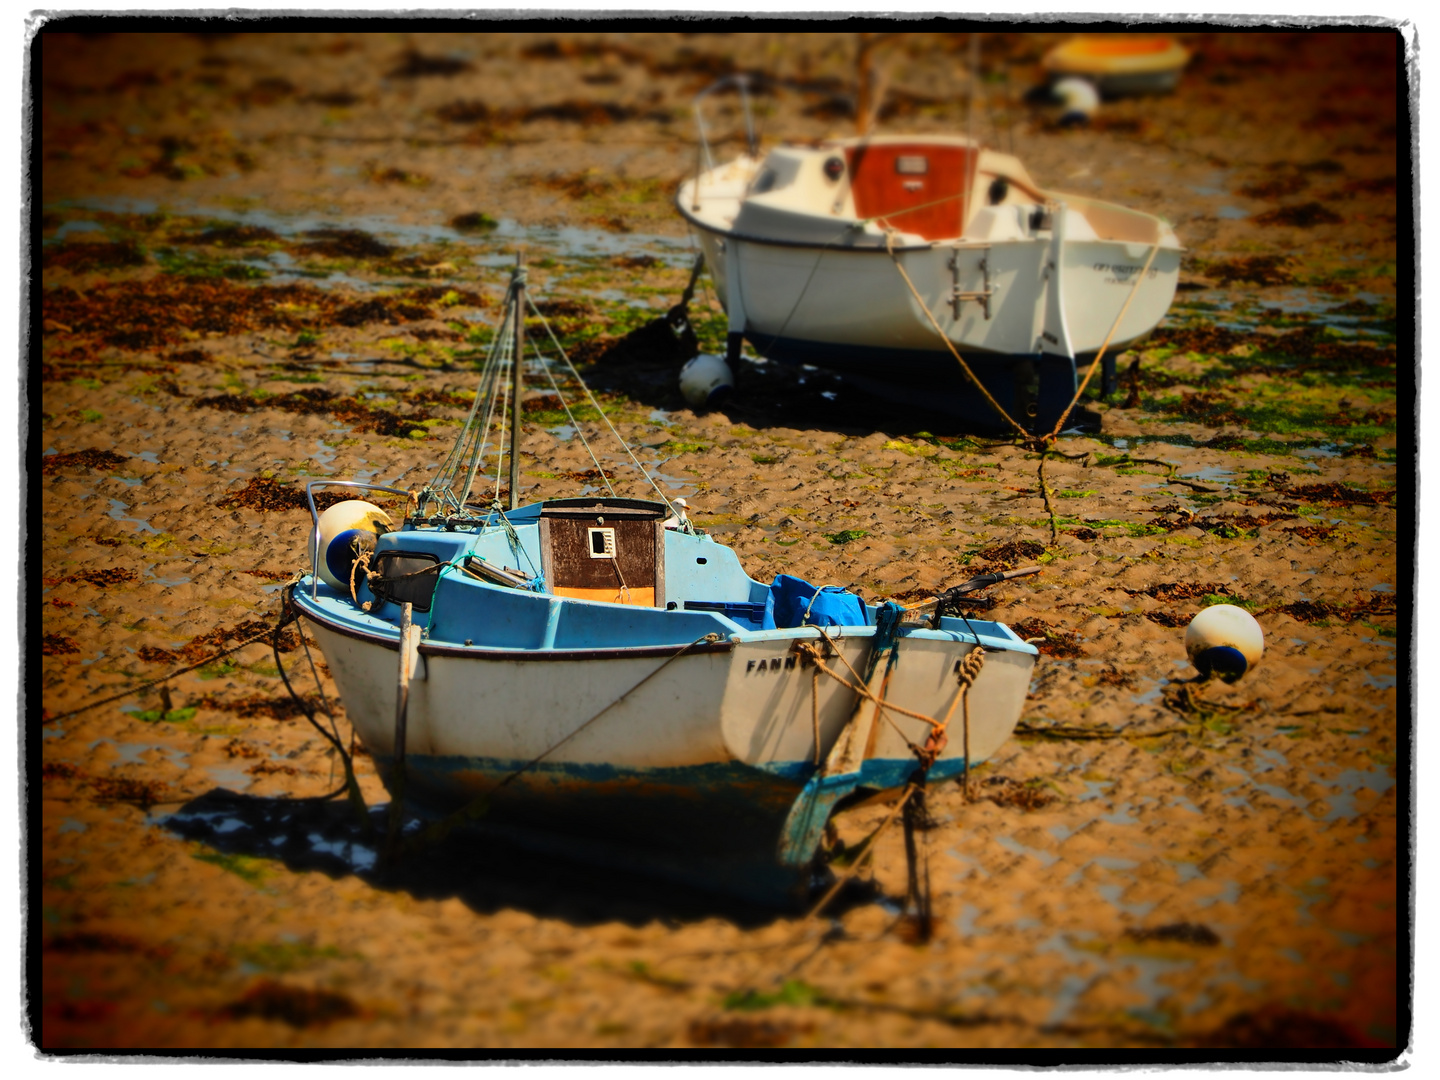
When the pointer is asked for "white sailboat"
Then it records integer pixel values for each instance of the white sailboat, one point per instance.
(807, 244)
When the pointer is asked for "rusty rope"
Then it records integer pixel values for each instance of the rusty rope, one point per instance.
(1040, 443)
(969, 672)
(926, 756)
(362, 562)
(812, 653)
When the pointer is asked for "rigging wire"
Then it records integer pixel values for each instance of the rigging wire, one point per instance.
(466, 453)
(555, 386)
(596, 406)
(469, 451)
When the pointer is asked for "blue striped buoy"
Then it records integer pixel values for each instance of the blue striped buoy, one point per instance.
(345, 529)
(1224, 640)
(706, 380)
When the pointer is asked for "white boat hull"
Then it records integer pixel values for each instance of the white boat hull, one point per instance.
(672, 755)
(849, 298)
(805, 280)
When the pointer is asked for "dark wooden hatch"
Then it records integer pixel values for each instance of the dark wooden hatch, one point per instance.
(604, 549)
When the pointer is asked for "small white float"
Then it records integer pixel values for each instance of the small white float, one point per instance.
(1225, 641)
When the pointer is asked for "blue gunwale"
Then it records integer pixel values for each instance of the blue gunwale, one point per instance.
(387, 636)
(329, 608)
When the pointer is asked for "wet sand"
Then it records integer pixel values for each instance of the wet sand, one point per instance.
(253, 275)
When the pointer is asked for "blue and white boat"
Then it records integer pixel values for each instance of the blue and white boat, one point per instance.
(612, 684)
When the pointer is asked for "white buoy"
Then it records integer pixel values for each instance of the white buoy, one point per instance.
(341, 527)
(705, 379)
(1079, 97)
(1224, 640)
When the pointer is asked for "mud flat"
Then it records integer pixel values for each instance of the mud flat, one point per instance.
(272, 258)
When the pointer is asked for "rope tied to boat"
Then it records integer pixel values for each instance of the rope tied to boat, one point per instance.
(811, 653)
(912, 805)
(989, 397)
(512, 537)
(361, 565)
(150, 683)
(1043, 444)
(971, 664)
(351, 787)
(969, 672)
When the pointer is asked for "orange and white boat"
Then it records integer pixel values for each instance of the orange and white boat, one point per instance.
(1120, 64)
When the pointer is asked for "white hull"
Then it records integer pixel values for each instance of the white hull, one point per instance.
(857, 298)
(748, 703)
(806, 276)
(702, 769)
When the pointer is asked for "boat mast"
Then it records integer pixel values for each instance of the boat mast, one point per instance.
(970, 123)
(516, 379)
(974, 82)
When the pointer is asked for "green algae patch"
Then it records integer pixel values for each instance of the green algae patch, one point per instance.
(252, 870)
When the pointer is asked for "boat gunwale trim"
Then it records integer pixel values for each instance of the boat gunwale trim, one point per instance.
(766, 241)
(993, 642)
(487, 653)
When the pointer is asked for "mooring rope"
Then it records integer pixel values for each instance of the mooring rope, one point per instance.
(132, 691)
(289, 613)
(1114, 326)
(361, 564)
(859, 860)
(912, 802)
(969, 672)
(1042, 444)
(990, 398)
(812, 651)
(1080, 390)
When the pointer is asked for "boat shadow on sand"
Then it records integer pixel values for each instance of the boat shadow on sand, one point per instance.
(485, 871)
(770, 394)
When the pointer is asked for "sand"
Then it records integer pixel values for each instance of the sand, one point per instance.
(1150, 862)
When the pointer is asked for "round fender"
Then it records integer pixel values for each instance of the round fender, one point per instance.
(345, 529)
(1224, 640)
(705, 380)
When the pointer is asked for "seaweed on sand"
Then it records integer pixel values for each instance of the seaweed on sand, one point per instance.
(316, 401)
(269, 496)
(88, 459)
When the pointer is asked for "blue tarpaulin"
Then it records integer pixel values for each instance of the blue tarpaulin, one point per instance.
(796, 602)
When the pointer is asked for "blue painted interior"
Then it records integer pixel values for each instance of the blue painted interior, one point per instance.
(697, 568)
